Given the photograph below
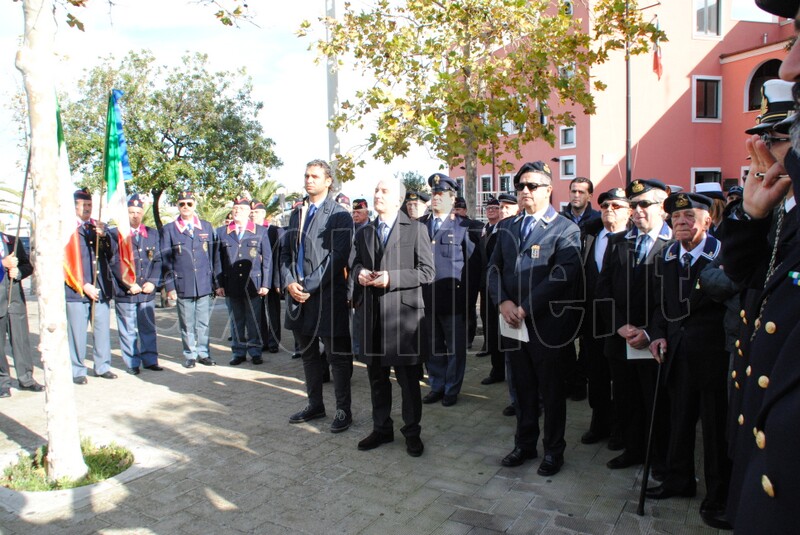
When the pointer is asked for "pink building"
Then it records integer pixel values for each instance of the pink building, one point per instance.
(687, 127)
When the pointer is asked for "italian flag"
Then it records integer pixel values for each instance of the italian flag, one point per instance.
(73, 266)
(117, 171)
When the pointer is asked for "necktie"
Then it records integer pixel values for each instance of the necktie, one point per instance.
(641, 248)
(383, 230)
(239, 233)
(190, 229)
(525, 229)
(686, 263)
(136, 236)
(301, 249)
(437, 224)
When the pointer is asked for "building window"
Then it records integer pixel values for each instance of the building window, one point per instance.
(706, 98)
(567, 137)
(486, 183)
(505, 183)
(767, 71)
(702, 175)
(460, 182)
(568, 8)
(568, 167)
(707, 17)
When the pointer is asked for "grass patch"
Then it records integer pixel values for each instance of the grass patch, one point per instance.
(29, 473)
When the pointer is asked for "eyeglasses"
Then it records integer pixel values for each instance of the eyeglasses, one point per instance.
(769, 140)
(644, 205)
(185, 203)
(532, 186)
(613, 206)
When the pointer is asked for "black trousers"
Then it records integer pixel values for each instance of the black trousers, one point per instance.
(689, 402)
(408, 378)
(599, 383)
(340, 358)
(536, 371)
(15, 327)
(491, 333)
(271, 320)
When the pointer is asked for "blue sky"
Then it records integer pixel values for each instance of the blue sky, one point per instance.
(285, 78)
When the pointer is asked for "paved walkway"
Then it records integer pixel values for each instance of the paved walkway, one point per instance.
(216, 455)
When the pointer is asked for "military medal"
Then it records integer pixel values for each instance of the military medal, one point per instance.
(205, 246)
(150, 255)
(253, 252)
(795, 276)
(535, 252)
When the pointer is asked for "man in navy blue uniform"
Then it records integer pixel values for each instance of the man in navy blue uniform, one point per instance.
(314, 258)
(135, 303)
(535, 264)
(446, 296)
(15, 266)
(93, 292)
(688, 330)
(243, 270)
(187, 246)
(271, 313)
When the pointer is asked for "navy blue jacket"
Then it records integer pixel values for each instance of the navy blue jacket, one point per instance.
(243, 266)
(146, 262)
(87, 237)
(188, 261)
(453, 251)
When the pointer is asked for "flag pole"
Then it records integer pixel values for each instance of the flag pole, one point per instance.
(19, 218)
(96, 270)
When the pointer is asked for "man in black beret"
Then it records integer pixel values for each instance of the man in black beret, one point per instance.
(270, 324)
(416, 203)
(688, 338)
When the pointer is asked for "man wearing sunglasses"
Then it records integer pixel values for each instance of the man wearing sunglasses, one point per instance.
(536, 264)
(625, 282)
(187, 246)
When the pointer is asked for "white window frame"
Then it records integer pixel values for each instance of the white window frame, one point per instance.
(696, 170)
(509, 183)
(568, 8)
(695, 118)
(561, 137)
(561, 161)
(704, 35)
(563, 206)
(491, 185)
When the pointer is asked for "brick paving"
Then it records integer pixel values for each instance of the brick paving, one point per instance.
(216, 455)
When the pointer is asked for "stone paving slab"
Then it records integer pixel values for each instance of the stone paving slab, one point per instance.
(231, 462)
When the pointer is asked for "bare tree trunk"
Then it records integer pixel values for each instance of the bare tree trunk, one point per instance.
(471, 174)
(35, 60)
(156, 210)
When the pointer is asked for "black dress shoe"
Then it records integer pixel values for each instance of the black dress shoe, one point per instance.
(518, 456)
(5, 392)
(342, 421)
(590, 437)
(273, 349)
(414, 446)
(623, 461)
(662, 493)
(616, 444)
(510, 411)
(235, 361)
(491, 380)
(132, 371)
(80, 380)
(190, 363)
(374, 440)
(258, 360)
(307, 414)
(550, 466)
(207, 361)
(713, 515)
(432, 397)
(107, 375)
(482, 354)
(295, 355)
(33, 387)
(154, 367)
(449, 401)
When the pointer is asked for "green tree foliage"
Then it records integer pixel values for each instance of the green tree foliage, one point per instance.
(186, 127)
(461, 77)
(413, 181)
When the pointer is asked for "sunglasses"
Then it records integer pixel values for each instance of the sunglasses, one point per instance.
(769, 140)
(532, 186)
(185, 203)
(644, 205)
(613, 206)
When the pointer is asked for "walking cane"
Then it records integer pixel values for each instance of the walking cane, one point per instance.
(648, 452)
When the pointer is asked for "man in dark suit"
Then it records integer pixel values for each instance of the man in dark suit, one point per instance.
(14, 266)
(88, 292)
(475, 269)
(392, 260)
(135, 303)
(497, 374)
(536, 264)
(314, 259)
(270, 322)
(615, 212)
(625, 285)
(187, 246)
(445, 297)
(688, 338)
(243, 271)
(355, 290)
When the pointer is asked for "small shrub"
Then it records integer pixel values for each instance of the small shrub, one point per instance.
(29, 473)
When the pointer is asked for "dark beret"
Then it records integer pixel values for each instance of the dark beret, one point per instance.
(257, 205)
(82, 195)
(614, 194)
(685, 201)
(135, 201)
(492, 201)
(637, 187)
(507, 197)
(460, 202)
(360, 204)
(533, 167)
(186, 196)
